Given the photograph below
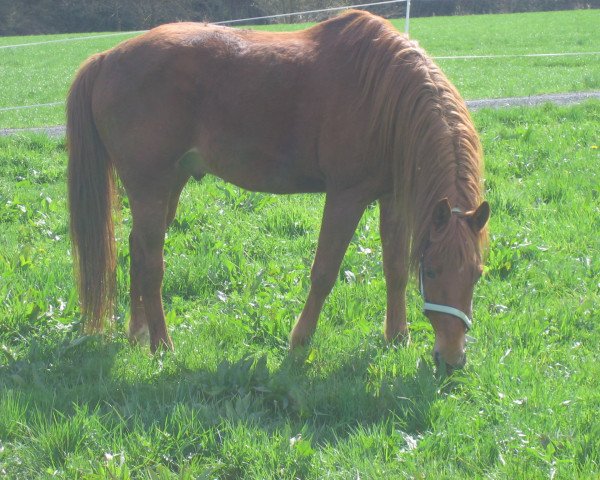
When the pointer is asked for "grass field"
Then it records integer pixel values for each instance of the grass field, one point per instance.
(42, 73)
(230, 403)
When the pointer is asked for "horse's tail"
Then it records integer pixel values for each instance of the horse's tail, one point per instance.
(91, 194)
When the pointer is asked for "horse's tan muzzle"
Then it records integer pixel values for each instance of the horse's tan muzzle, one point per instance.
(454, 362)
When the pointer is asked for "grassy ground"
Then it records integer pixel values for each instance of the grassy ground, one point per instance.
(230, 403)
(42, 73)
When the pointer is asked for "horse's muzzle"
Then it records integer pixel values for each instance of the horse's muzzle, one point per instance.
(449, 368)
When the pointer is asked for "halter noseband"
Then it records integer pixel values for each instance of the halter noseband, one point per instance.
(435, 307)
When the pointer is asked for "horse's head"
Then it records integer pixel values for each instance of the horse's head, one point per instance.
(450, 267)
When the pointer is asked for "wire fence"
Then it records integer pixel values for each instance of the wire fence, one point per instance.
(223, 22)
(308, 12)
(276, 16)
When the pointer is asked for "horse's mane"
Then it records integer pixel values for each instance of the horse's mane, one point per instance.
(419, 122)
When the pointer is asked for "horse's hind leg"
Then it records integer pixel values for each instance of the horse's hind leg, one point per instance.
(340, 218)
(147, 239)
(395, 257)
(138, 325)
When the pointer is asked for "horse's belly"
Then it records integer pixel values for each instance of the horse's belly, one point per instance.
(254, 172)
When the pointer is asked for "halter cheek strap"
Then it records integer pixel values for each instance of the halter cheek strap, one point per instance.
(434, 307)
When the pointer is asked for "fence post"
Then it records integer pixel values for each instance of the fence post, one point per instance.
(407, 20)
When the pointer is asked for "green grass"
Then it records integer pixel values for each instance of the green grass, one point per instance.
(42, 73)
(230, 403)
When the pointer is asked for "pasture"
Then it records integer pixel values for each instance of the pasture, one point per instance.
(230, 402)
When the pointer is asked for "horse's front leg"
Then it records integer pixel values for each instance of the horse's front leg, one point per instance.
(394, 243)
(342, 213)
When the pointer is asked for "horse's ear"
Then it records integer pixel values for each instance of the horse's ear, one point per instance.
(479, 217)
(441, 215)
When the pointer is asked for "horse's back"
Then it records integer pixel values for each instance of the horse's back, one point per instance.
(268, 111)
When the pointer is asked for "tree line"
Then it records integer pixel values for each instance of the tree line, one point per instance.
(24, 17)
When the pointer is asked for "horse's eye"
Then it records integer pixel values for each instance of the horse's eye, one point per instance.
(430, 273)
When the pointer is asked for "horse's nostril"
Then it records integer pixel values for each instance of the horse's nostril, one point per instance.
(439, 361)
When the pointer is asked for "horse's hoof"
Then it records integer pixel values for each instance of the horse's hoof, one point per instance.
(140, 336)
(299, 340)
(401, 338)
(162, 345)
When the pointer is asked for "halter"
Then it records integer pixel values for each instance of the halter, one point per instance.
(434, 307)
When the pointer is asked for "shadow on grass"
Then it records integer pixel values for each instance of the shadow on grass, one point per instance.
(61, 377)
(67, 405)
(326, 408)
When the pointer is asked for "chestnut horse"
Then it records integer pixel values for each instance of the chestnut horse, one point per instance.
(349, 107)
